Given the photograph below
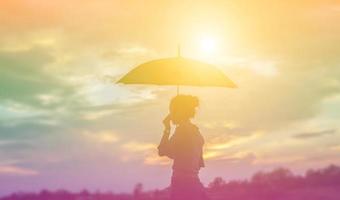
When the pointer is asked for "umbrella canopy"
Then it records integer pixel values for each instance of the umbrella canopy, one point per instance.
(177, 71)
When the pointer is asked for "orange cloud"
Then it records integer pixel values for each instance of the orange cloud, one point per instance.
(207, 155)
(220, 143)
(154, 159)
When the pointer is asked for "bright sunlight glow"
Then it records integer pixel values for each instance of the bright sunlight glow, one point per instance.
(208, 45)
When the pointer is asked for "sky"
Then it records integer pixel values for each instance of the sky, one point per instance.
(65, 124)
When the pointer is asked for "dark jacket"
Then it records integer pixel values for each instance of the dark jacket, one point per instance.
(185, 147)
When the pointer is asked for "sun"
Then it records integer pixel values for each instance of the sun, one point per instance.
(208, 44)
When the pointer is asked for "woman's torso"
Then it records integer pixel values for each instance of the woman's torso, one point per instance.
(188, 144)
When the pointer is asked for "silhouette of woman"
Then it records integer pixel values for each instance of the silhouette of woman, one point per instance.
(185, 148)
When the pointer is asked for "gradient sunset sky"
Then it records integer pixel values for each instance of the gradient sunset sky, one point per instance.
(64, 124)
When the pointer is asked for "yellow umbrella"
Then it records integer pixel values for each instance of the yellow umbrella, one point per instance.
(177, 71)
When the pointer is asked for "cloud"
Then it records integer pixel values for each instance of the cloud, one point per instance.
(138, 146)
(27, 88)
(23, 76)
(336, 148)
(240, 158)
(48, 99)
(146, 152)
(94, 115)
(225, 142)
(212, 154)
(102, 136)
(155, 159)
(312, 135)
(15, 144)
(17, 171)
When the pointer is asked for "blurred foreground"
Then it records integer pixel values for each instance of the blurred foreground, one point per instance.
(279, 184)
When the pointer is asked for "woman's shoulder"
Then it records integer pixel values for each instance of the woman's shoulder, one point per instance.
(194, 127)
(197, 133)
(188, 127)
(193, 130)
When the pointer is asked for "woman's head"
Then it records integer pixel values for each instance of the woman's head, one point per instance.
(182, 108)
